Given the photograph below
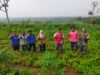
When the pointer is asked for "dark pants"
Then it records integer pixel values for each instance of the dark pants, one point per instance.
(24, 47)
(74, 46)
(32, 46)
(59, 47)
(42, 47)
(16, 47)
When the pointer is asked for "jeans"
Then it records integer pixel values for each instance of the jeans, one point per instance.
(17, 47)
(42, 47)
(74, 45)
(24, 47)
(59, 47)
(32, 46)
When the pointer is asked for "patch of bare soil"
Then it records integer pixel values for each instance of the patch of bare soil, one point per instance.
(71, 71)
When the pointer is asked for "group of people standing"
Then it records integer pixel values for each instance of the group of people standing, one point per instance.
(74, 38)
(28, 41)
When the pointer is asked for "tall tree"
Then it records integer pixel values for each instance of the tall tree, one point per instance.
(3, 7)
(93, 10)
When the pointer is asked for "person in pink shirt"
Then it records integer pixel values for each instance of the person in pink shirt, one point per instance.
(73, 36)
(59, 40)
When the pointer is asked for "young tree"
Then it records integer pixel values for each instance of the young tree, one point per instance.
(3, 7)
(93, 10)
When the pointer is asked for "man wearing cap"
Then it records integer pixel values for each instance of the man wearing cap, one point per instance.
(83, 39)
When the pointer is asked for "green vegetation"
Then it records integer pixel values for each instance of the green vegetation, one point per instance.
(49, 62)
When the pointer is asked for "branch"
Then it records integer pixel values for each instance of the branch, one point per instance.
(3, 10)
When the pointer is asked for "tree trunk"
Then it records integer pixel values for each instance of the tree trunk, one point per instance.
(6, 13)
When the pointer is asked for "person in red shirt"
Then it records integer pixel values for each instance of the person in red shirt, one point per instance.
(59, 40)
(73, 36)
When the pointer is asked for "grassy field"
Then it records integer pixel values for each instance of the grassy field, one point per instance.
(50, 62)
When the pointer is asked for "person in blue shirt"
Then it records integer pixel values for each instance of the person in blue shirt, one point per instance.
(14, 40)
(31, 40)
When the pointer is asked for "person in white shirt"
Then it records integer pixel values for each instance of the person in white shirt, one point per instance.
(23, 40)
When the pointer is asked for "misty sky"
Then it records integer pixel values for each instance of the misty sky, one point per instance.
(48, 8)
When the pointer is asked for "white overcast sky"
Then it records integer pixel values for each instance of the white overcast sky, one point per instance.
(48, 8)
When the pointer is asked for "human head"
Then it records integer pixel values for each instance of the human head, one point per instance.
(58, 30)
(14, 33)
(22, 32)
(73, 29)
(30, 31)
(84, 30)
(41, 32)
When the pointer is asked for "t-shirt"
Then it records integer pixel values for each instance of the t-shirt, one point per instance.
(15, 40)
(58, 38)
(23, 39)
(31, 39)
(73, 36)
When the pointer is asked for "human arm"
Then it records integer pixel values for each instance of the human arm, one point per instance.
(11, 34)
